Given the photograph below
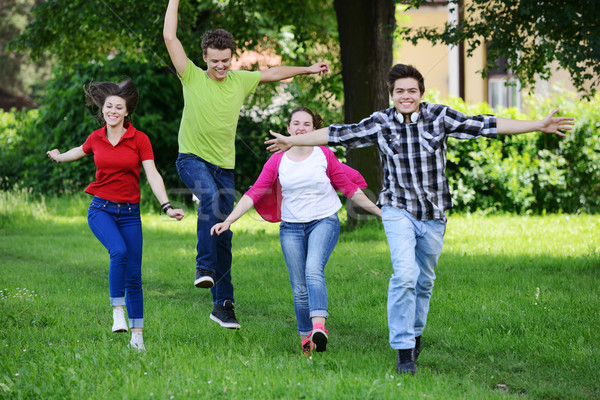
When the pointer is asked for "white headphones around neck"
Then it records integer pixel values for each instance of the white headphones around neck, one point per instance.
(414, 117)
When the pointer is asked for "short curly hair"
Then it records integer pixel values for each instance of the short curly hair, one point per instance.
(218, 39)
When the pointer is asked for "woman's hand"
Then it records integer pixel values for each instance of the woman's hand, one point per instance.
(53, 154)
(176, 213)
(220, 228)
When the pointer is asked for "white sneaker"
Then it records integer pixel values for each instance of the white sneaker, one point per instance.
(119, 323)
(137, 341)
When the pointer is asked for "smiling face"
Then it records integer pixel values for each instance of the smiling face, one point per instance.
(114, 111)
(406, 96)
(218, 63)
(301, 122)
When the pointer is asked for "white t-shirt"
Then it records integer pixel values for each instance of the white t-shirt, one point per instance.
(306, 191)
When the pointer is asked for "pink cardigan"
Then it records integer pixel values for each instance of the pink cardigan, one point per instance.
(266, 191)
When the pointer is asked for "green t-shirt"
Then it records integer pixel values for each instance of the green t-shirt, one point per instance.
(211, 111)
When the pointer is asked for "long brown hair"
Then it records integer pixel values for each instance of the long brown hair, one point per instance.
(97, 92)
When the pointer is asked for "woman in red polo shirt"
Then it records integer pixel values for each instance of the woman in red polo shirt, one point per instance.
(120, 151)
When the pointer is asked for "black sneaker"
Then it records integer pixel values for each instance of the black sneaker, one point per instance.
(204, 279)
(406, 362)
(224, 315)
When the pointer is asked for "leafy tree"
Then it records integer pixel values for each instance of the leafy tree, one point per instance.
(531, 34)
(19, 75)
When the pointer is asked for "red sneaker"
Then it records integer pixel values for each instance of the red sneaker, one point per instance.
(319, 337)
(307, 347)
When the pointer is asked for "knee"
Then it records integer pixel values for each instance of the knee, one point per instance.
(119, 254)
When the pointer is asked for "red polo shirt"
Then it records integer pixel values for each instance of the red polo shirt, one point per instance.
(118, 167)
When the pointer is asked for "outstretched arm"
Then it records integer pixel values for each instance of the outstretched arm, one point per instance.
(240, 209)
(158, 188)
(174, 46)
(275, 74)
(361, 200)
(74, 154)
(550, 124)
(282, 143)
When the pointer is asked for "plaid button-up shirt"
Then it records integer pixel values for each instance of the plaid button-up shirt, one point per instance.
(413, 155)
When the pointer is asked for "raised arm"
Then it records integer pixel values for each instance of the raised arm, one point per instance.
(74, 154)
(282, 143)
(275, 74)
(174, 46)
(240, 209)
(550, 124)
(158, 188)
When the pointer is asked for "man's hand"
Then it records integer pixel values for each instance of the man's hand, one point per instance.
(321, 68)
(552, 124)
(278, 145)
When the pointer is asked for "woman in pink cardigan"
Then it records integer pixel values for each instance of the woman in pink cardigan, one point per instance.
(298, 188)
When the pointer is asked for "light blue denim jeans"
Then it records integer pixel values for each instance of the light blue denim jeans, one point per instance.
(119, 228)
(415, 248)
(306, 248)
(214, 188)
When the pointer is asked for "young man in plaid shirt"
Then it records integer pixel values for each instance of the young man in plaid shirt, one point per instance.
(411, 138)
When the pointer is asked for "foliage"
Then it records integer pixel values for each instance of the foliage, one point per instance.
(13, 145)
(526, 33)
(533, 172)
(20, 76)
(64, 122)
(513, 315)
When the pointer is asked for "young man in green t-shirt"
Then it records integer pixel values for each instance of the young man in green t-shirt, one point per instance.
(212, 103)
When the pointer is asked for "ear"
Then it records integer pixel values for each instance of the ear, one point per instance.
(204, 57)
(422, 95)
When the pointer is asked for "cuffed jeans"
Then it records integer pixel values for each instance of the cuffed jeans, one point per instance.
(415, 248)
(306, 248)
(214, 188)
(119, 228)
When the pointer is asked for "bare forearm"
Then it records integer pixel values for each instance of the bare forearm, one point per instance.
(158, 187)
(170, 25)
(320, 137)
(513, 126)
(361, 200)
(74, 154)
(279, 73)
(240, 209)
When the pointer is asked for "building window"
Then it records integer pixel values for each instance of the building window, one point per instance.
(504, 91)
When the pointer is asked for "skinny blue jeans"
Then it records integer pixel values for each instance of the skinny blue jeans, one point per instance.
(119, 228)
(415, 248)
(306, 248)
(214, 188)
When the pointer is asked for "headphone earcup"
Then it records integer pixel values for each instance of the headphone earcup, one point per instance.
(414, 117)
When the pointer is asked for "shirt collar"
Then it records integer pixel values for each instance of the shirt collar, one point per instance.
(129, 133)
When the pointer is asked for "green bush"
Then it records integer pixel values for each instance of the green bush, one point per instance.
(13, 144)
(533, 172)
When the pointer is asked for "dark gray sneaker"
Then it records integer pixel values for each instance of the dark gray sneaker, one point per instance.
(406, 362)
(417, 347)
(224, 315)
(204, 279)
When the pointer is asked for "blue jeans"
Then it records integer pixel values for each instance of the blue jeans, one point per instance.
(214, 188)
(119, 228)
(306, 248)
(415, 248)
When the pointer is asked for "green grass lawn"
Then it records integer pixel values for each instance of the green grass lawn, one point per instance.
(514, 313)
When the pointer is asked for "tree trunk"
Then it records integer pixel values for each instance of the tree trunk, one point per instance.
(366, 29)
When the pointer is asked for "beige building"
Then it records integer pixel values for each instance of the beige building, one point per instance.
(448, 70)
